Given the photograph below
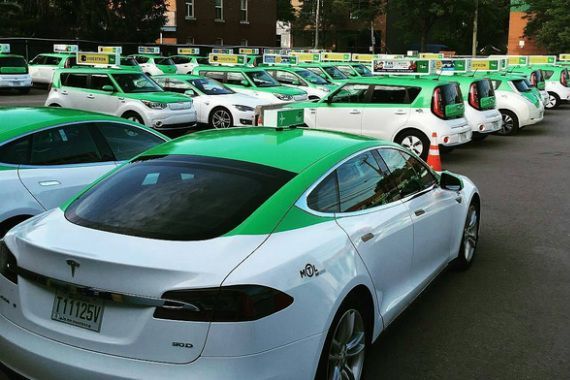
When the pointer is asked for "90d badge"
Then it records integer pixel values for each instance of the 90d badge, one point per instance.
(182, 345)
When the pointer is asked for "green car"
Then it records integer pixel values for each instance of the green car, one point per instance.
(315, 86)
(14, 73)
(536, 78)
(354, 69)
(47, 155)
(152, 64)
(557, 79)
(328, 71)
(255, 82)
(44, 65)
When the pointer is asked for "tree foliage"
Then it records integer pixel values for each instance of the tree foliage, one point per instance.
(549, 24)
(285, 11)
(113, 20)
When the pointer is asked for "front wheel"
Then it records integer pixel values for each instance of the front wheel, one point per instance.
(553, 101)
(133, 116)
(221, 118)
(343, 354)
(469, 239)
(415, 141)
(510, 123)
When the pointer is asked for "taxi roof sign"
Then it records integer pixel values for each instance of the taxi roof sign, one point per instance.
(249, 51)
(485, 64)
(431, 56)
(306, 57)
(338, 57)
(403, 66)
(110, 49)
(149, 50)
(541, 59)
(279, 59)
(4, 48)
(92, 58)
(62, 48)
(277, 51)
(453, 65)
(227, 59)
(363, 57)
(222, 51)
(564, 57)
(188, 51)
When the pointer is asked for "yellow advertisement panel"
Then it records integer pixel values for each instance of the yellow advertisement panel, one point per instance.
(541, 59)
(363, 57)
(307, 57)
(431, 56)
(188, 51)
(110, 49)
(96, 59)
(231, 59)
(336, 56)
(564, 57)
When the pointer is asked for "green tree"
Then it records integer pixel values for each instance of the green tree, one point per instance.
(549, 24)
(285, 11)
(137, 20)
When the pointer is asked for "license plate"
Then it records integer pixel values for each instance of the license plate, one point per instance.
(86, 313)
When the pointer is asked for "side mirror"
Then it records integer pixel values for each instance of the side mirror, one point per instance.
(108, 88)
(244, 83)
(448, 181)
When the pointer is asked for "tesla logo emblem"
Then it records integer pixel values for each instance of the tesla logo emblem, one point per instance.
(310, 270)
(73, 265)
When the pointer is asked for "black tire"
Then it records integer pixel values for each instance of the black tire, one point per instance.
(409, 139)
(470, 237)
(350, 304)
(220, 118)
(133, 116)
(553, 101)
(7, 225)
(510, 124)
(54, 105)
(24, 91)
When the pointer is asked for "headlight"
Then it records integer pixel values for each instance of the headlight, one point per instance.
(154, 105)
(244, 108)
(283, 97)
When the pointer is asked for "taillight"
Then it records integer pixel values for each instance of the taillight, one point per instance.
(8, 264)
(237, 303)
(474, 100)
(533, 79)
(437, 106)
(259, 119)
(564, 78)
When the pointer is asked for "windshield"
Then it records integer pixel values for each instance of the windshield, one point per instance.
(334, 72)
(363, 70)
(134, 83)
(262, 79)
(522, 85)
(177, 197)
(348, 71)
(164, 61)
(128, 61)
(12, 62)
(210, 86)
(311, 77)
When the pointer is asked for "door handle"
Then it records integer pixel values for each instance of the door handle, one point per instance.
(64, 93)
(52, 182)
(90, 96)
(367, 237)
(355, 112)
(400, 112)
(419, 212)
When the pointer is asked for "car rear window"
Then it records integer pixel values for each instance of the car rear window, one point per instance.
(164, 61)
(451, 94)
(485, 88)
(128, 62)
(177, 197)
(522, 85)
(12, 62)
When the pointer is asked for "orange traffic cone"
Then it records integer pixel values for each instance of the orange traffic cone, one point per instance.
(433, 159)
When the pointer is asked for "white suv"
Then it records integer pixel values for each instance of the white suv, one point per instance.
(128, 94)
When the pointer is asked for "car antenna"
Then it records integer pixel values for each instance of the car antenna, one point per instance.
(474, 72)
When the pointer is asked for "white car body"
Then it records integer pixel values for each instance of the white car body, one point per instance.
(526, 112)
(557, 88)
(266, 96)
(15, 81)
(205, 104)
(487, 121)
(318, 266)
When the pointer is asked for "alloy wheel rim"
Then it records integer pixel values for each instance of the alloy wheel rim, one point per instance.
(508, 123)
(551, 101)
(346, 354)
(414, 144)
(221, 119)
(470, 234)
(133, 118)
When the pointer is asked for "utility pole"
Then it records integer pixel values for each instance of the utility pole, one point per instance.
(475, 27)
(317, 23)
(372, 37)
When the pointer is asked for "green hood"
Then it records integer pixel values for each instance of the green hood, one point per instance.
(161, 97)
(167, 69)
(532, 97)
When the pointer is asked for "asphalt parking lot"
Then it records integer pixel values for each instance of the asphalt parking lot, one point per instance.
(507, 317)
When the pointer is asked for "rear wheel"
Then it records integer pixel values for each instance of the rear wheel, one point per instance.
(553, 101)
(343, 354)
(469, 239)
(221, 118)
(510, 123)
(54, 105)
(415, 141)
(133, 116)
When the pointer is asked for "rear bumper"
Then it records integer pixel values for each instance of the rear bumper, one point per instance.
(16, 81)
(456, 135)
(36, 357)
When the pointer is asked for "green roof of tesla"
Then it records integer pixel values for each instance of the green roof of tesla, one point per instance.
(17, 121)
(292, 149)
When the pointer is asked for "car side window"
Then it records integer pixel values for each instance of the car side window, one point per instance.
(393, 94)
(548, 74)
(351, 93)
(98, 81)
(127, 141)
(16, 152)
(496, 84)
(362, 183)
(235, 78)
(52, 61)
(217, 75)
(179, 84)
(75, 80)
(180, 60)
(325, 197)
(38, 60)
(407, 175)
(70, 62)
(64, 145)
(140, 59)
(285, 77)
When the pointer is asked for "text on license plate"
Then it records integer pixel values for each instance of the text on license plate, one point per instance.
(86, 313)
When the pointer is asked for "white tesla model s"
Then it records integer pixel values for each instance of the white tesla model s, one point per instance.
(249, 253)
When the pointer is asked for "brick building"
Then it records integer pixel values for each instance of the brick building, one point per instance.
(221, 22)
(518, 44)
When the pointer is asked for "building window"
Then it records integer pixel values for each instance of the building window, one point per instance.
(219, 9)
(190, 9)
(243, 11)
